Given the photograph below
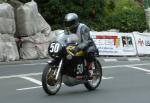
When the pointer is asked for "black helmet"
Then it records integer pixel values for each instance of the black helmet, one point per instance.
(71, 21)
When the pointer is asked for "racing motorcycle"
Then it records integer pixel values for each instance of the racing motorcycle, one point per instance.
(69, 68)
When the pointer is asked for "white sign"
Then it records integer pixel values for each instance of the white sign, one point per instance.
(127, 43)
(142, 43)
(113, 43)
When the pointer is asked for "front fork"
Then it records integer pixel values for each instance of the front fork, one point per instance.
(59, 68)
(57, 72)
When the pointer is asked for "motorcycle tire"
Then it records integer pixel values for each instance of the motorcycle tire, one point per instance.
(98, 69)
(48, 81)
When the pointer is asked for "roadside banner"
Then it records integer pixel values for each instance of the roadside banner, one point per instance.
(142, 41)
(127, 43)
(113, 43)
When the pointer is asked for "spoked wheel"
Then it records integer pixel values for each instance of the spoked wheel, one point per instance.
(50, 85)
(93, 83)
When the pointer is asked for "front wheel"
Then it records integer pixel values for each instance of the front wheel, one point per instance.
(49, 84)
(96, 77)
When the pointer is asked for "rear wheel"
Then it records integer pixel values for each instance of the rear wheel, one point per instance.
(96, 77)
(49, 84)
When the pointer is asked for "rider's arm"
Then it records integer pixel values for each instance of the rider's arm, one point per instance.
(86, 39)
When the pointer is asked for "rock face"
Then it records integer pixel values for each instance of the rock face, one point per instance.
(8, 48)
(34, 31)
(7, 19)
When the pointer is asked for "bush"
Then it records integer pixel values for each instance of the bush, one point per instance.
(124, 15)
(127, 21)
(55, 10)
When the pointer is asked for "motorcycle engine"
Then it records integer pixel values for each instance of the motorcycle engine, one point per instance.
(70, 81)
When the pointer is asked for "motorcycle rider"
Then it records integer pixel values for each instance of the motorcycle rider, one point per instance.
(86, 43)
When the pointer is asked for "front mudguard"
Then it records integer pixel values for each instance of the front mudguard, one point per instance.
(49, 61)
(54, 61)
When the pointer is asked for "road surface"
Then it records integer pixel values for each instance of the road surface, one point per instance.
(123, 82)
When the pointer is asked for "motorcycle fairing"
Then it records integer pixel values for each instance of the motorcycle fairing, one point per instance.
(70, 67)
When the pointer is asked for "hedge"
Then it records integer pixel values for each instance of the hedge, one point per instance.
(125, 15)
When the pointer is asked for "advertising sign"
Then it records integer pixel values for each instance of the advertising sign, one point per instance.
(143, 43)
(127, 44)
(113, 43)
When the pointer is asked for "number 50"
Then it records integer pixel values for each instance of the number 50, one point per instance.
(54, 47)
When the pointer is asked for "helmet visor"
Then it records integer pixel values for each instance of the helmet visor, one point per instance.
(69, 23)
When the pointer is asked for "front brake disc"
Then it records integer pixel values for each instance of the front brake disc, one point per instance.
(51, 79)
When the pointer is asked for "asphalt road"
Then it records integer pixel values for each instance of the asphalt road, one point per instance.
(123, 82)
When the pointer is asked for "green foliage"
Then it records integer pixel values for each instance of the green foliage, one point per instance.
(125, 15)
(55, 10)
(126, 21)
(109, 7)
(126, 4)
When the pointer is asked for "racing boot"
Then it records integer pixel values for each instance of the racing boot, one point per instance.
(89, 70)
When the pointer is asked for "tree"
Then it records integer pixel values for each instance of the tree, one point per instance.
(125, 15)
(55, 10)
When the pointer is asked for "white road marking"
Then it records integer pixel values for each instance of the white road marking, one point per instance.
(39, 83)
(110, 60)
(20, 75)
(117, 66)
(35, 64)
(28, 64)
(39, 73)
(25, 76)
(32, 80)
(138, 68)
(107, 77)
(133, 59)
(29, 88)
